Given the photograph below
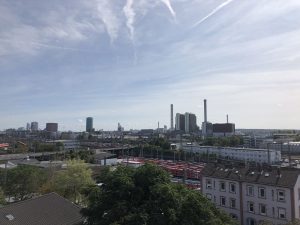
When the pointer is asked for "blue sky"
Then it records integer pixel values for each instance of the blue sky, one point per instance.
(127, 60)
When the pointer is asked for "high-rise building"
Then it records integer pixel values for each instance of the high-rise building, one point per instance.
(28, 127)
(89, 124)
(34, 126)
(172, 118)
(190, 122)
(180, 122)
(120, 128)
(52, 127)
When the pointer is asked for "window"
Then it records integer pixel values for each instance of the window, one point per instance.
(280, 195)
(262, 209)
(222, 201)
(281, 213)
(222, 186)
(261, 192)
(232, 187)
(251, 207)
(208, 184)
(208, 196)
(251, 221)
(250, 190)
(234, 216)
(232, 203)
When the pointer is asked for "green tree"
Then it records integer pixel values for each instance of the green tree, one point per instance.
(2, 197)
(147, 196)
(71, 182)
(295, 222)
(24, 181)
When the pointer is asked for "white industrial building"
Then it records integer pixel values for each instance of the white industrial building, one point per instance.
(270, 156)
(254, 195)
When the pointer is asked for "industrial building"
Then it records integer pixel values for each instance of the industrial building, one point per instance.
(269, 156)
(217, 129)
(190, 122)
(180, 122)
(223, 129)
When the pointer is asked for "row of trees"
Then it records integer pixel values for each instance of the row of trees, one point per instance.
(24, 182)
(233, 141)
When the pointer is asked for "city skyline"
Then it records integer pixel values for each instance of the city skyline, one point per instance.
(128, 61)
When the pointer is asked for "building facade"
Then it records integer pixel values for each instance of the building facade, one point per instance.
(252, 196)
(34, 126)
(190, 122)
(270, 156)
(52, 127)
(223, 129)
(180, 122)
(89, 124)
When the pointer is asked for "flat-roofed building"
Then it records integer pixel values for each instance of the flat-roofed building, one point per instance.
(52, 127)
(223, 129)
(270, 156)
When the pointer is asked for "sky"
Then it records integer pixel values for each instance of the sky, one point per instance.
(127, 60)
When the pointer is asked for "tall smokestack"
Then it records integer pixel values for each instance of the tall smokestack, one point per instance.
(172, 121)
(205, 111)
(227, 118)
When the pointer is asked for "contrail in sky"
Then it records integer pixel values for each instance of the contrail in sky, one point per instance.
(39, 44)
(212, 12)
(169, 6)
(130, 16)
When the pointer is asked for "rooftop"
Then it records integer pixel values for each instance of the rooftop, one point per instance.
(49, 209)
(282, 177)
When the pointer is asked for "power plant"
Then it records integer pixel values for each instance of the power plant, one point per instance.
(187, 123)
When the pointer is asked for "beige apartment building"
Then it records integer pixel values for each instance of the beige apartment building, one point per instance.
(253, 195)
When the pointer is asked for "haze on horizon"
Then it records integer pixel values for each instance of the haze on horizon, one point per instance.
(127, 60)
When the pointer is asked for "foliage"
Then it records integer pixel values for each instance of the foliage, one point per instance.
(85, 155)
(295, 222)
(147, 196)
(24, 181)
(2, 197)
(70, 183)
(161, 142)
(232, 141)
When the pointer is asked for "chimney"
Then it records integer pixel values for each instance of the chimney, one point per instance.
(172, 121)
(205, 111)
(227, 118)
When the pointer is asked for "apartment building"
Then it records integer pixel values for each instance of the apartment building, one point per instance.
(253, 195)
